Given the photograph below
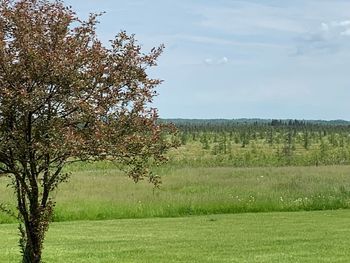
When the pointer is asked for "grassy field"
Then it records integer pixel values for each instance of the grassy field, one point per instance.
(321, 236)
(99, 192)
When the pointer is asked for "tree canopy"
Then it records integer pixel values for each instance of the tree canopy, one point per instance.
(66, 97)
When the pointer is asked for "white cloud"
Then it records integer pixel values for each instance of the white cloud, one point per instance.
(244, 17)
(329, 38)
(212, 40)
(208, 61)
(346, 32)
(223, 60)
(324, 27)
(344, 23)
(216, 61)
(336, 28)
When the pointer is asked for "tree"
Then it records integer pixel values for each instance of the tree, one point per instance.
(288, 146)
(64, 98)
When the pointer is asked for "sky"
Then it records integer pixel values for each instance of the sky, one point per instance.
(240, 59)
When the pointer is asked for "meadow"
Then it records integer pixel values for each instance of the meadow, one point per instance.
(99, 192)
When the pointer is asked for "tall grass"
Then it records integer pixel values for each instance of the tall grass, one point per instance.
(99, 192)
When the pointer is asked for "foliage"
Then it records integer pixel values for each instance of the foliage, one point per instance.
(65, 97)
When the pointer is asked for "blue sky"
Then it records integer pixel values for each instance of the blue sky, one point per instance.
(234, 59)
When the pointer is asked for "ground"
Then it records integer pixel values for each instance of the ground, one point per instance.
(319, 236)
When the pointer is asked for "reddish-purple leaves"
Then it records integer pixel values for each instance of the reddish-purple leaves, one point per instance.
(65, 97)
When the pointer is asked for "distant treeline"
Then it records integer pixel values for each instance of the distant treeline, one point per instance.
(182, 123)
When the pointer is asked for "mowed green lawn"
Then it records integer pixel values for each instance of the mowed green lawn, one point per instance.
(321, 236)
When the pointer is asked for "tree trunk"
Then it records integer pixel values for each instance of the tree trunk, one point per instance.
(33, 246)
(30, 256)
(33, 237)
